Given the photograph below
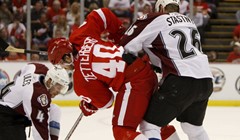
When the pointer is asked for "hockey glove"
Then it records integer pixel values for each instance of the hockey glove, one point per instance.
(87, 108)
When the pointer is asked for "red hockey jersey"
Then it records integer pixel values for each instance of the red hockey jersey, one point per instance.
(98, 64)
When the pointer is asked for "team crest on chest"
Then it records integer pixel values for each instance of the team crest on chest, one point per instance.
(43, 100)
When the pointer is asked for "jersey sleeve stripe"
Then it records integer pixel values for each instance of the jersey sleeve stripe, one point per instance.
(101, 14)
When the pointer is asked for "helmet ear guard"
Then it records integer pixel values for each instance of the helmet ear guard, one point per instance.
(59, 75)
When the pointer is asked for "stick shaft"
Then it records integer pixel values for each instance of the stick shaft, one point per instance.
(4, 46)
(74, 126)
(36, 52)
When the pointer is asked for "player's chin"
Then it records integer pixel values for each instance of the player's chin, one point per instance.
(54, 95)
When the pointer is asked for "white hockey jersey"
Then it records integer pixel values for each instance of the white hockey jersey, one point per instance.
(172, 42)
(28, 96)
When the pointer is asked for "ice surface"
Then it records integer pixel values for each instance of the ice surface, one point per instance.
(221, 123)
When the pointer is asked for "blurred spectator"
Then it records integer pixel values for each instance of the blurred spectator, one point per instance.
(63, 5)
(140, 5)
(184, 7)
(203, 7)
(215, 2)
(198, 20)
(197, 17)
(120, 7)
(92, 6)
(36, 12)
(41, 34)
(234, 56)
(13, 56)
(1, 24)
(5, 14)
(212, 4)
(62, 26)
(145, 10)
(58, 33)
(238, 16)
(4, 35)
(99, 3)
(72, 1)
(19, 6)
(35, 57)
(17, 32)
(54, 11)
(236, 34)
(9, 55)
(44, 2)
(76, 23)
(73, 13)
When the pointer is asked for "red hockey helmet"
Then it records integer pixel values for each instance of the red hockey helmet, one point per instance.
(57, 48)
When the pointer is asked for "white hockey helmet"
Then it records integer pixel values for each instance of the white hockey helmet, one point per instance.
(164, 3)
(58, 75)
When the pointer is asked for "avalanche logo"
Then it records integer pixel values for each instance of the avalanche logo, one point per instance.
(237, 85)
(4, 79)
(43, 100)
(218, 79)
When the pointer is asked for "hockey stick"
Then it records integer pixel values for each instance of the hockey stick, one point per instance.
(74, 126)
(4, 46)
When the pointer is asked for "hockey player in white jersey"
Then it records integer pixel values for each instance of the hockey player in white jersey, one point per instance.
(27, 101)
(172, 42)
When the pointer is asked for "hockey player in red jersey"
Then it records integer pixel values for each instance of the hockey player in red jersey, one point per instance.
(27, 101)
(99, 66)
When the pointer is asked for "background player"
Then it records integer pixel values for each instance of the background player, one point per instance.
(27, 101)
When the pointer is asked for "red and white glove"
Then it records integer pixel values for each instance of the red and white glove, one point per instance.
(87, 108)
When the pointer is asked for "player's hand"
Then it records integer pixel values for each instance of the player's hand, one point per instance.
(87, 108)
